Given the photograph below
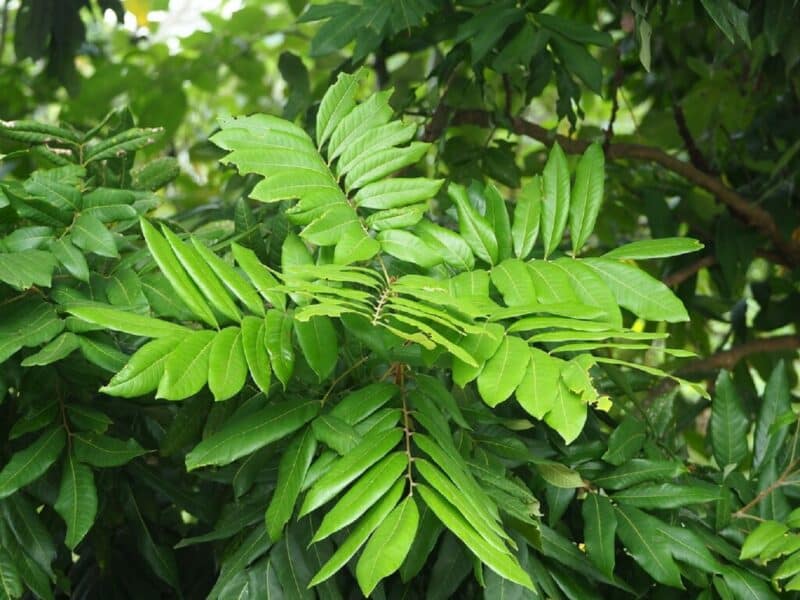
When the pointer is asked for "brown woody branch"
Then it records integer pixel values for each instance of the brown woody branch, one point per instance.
(728, 359)
(754, 215)
(695, 156)
(681, 275)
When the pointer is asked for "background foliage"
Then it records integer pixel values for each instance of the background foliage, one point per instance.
(181, 403)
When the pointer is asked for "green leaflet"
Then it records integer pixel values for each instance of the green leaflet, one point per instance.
(186, 367)
(638, 470)
(455, 252)
(768, 437)
(255, 352)
(637, 291)
(667, 495)
(61, 347)
(292, 471)
(89, 233)
(77, 500)
(72, 258)
(659, 248)
(144, 369)
(29, 464)
(760, 537)
(474, 228)
(104, 451)
(232, 280)
(369, 488)
(126, 322)
(625, 441)
(317, 338)
(172, 269)
(600, 526)
(538, 387)
(729, 424)
(555, 199)
(527, 211)
(388, 545)
(639, 532)
(513, 280)
(374, 517)
(587, 196)
(497, 215)
(9, 576)
(503, 371)
(203, 277)
(30, 531)
(406, 246)
(372, 448)
(335, 433)
(260, 277)
(278, 339)
(338, 101)
(504, 564)
(360, 404)
(568, 413)
(247, 433)
(227, 365)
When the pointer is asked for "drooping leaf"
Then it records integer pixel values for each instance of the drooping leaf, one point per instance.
(555, 199)
(247, 433)
(31, 463)
(388, 545)
(587, 195)
(729, 424)
(77, 500)
(600, 526)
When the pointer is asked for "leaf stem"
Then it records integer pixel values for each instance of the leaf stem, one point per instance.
(400, 380)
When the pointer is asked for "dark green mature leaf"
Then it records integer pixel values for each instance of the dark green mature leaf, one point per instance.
(247, 433)
(144, 370)
(639, 470)
(104, 451)
(227, 365)
(775, 403)
(27, 268)
(30, 531)
(639, 532)
(29, 464)
(626, 441)
(372, 448)
(254, 344)
(388, 545)
(77, 500)
(278, 338)
(292, 471)
(317, 338)
(666, 495)
(10, 580)
(729, 424)
(600, 526)
(89, 233)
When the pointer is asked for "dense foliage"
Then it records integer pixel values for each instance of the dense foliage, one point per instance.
(382, 332)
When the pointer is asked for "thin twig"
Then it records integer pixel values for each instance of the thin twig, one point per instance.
(400, 381)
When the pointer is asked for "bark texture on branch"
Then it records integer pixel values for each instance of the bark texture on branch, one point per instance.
(758, 218)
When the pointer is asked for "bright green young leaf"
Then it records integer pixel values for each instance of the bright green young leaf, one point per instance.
(568, 413)
(126, 322)
(317, 338)
(278, 339)
(31, 463)
(555, 199)
(231, 278)
(406, 246)
(659, 248)
(175, 273)
(292, 471)
(729, 424)
(186, 367)
(512, 278)
(455, 252)
(538, 388)
(497, 216)
(637, 291)
(144, 370)
(504, 371)
(587, 195)
(474, 228)
(227, 364)
(527, 213)
(388, 545)
(203, 277)
(760, 537)
(260, 277)
(254, 344)
(600, 526)
(358, 405)
(335, 433)
(77, 500)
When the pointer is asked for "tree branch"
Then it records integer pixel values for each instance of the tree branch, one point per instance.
(727, 359)
(695, 156)
(681, 275)
(754, 215)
